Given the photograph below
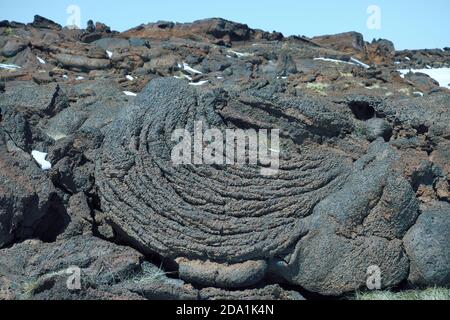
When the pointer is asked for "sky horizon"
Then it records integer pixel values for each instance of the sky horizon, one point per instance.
(409, 24)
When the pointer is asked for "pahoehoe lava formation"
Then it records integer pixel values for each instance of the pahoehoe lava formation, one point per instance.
(222, 213)
(208, 217)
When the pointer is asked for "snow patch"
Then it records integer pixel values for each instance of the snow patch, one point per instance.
(187, 68)
(40, 60)
(403, 72)
(441, 75)
(331, 60)
(79, 78)
(56, 136)
(353, 62)
(356, 61)
(200, 83)
(129, 93)
(40, 159)
(240, 54)
(9, 66)
(130, 78)
(109, 53)
(183, 77)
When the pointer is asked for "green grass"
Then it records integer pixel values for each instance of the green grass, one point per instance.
(149, 275)
(8, 31)
(318, 87)
(426, 294)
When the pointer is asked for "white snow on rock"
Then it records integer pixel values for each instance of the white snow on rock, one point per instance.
(403, 72)
(65, 76)
(240, 54)
(130, 78)
(42, 61)
(356, 61)
(408, 58)
(200, 83)
(129, 93)
(9, 66)
(79, 78)
(183, 77)
(352, 61)
(40, 159)
(417, 94)
(109, 53)
(441, 75)
(331, 60)
(187, 68)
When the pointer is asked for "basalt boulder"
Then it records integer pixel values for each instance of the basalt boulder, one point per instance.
(213, 29)
(427, 246)
(30, 206)
(12, 47)
(238, 225)
(348, 42)
(152, 283)
(25, 107)
(82, 62)
(82, 267)
(44, 23)
(356, 228)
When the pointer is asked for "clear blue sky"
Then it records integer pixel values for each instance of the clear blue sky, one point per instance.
(410, 24)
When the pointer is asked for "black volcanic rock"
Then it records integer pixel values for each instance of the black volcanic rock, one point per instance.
(90, 26)
(4, 24)
(344, 42)
(82, 63)
(145, 116)
(36, 270)
(346, 236)
(44, 23)
(30, 204)
(220, 28)
(363, 179)
(427, 246)
(13, 47)
(321, 195)
(220, 31)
